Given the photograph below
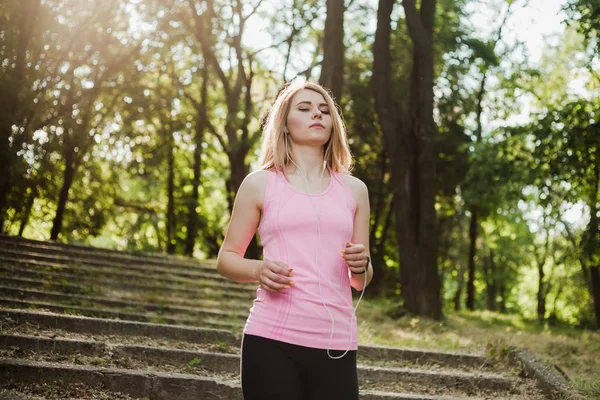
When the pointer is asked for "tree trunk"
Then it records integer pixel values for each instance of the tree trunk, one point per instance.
(193, 218)
(171, 223)
(201, 123)
(239, 170)
(382, 214)
(10, 101)
(332, 69)
(460, 284)
(541, 295)
(472, 258)
(27, 209)
(591, 245)
(409, 136)
(380, 270)
(416, 215)
(492, 283)
(542, 290)
(595, 278)
(68, 176)
(502, 302)
(473, 231)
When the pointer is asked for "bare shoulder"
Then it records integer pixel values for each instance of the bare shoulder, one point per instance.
(358, 187)
(254, 185)
(256, 179)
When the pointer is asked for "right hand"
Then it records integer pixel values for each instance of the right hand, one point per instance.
(274, 276)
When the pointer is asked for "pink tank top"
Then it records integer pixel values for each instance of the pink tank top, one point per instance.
(289, 233)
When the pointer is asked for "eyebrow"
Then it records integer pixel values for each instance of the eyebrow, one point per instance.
(310, 102)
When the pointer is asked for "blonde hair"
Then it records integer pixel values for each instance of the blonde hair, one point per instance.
(273, 154)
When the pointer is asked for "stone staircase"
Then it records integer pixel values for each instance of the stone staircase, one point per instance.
(87, 323)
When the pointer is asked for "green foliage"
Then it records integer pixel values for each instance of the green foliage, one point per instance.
(112, 89)
(195, 362)
(586, 15)
(483, 50)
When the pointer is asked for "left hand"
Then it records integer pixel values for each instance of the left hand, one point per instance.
(356, 257)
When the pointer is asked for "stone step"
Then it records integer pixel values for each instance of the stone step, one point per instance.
(157, 287)
(237, 305)
(103, 326)
(11, 394)
(386, 354)
(162, 270)
(123, 256)
(154, 385)
(160, 309)
(366, 353)
(228, 364)
(147, 277)
(218, 362)
(158, 386)
(128, 316)
(57, 391)
(65, 258)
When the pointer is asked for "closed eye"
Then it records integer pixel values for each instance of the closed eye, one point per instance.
(308, 109)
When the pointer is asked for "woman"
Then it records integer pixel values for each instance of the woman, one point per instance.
(300, 338)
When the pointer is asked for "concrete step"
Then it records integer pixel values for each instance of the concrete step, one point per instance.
(154, 301)
(367, 354)
(155, 385)
(160, 386)
(57, 391)
(74, 280)
(94, 301)
(15, 242)
(147, 277)
(163, 270)
(228, 364)
(102, 326)
(119, 348)
(12, 394)
(122, 315)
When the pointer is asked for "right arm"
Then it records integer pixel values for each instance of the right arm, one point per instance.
(272, 275)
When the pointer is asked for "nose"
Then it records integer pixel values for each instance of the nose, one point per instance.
(317, 114)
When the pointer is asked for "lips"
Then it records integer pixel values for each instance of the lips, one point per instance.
(317, 125)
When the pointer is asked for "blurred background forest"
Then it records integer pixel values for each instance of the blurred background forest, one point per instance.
(130, 124)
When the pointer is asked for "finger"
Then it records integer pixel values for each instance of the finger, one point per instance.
(357, 248)
(360, 264)
(272, 286)
(275, 277)
(265, 285)
(281, 268)
(356, 257)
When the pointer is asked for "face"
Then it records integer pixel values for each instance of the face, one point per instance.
(309, 120)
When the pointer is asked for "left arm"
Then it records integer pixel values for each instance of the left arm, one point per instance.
(356, 252)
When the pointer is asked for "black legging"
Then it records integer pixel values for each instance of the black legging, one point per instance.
(273, 370)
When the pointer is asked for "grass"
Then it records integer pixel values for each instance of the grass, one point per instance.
(574, 351)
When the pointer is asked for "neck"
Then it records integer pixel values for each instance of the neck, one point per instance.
(308, 162)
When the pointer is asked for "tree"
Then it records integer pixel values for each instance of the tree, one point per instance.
(235, 76)
(13, 86)
(486, 53)
(332, 68)
(564, 148)
(409, 133)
